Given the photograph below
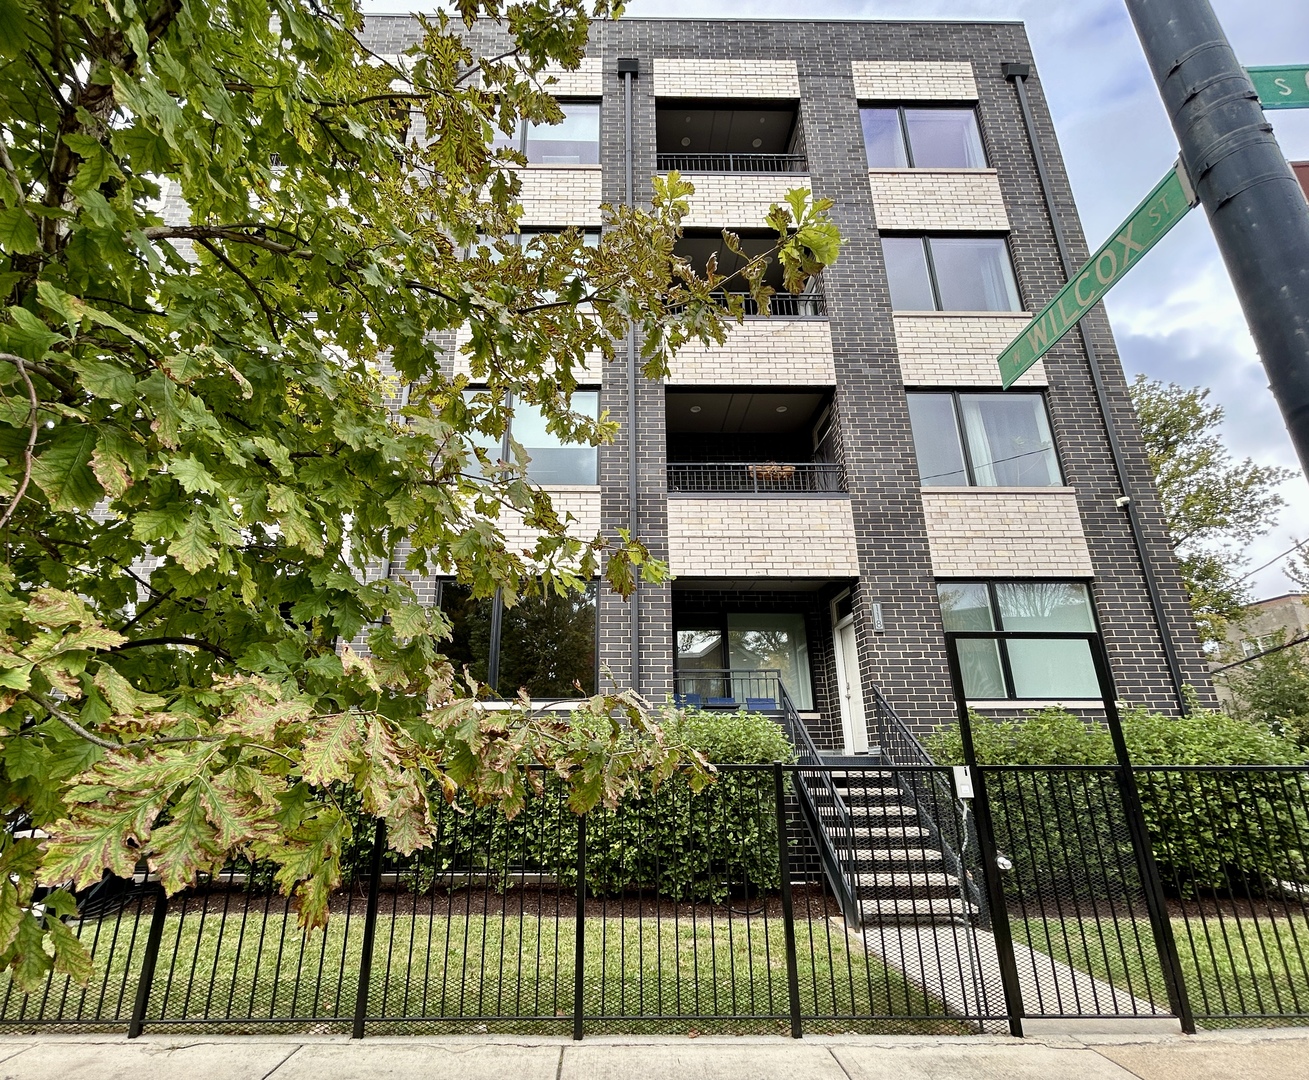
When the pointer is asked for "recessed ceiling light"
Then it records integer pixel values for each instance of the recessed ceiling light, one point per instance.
(763, 119)
(688, 119)
(686, 140)
(758, 142)
(695, 408)
(781, 408)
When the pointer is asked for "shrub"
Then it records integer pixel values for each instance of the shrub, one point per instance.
(703, 846)
(1211, 830)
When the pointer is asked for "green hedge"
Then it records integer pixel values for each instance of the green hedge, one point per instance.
(1212, 831)
(709, 845)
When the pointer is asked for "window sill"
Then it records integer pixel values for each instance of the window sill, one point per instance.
(542, 165)
(962, 314)
(982, 489)
(885, 170)
(565, 489)
(1037, 703)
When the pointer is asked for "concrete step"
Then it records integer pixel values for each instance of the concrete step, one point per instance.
(894, 855)
(939, 909)
(908, 879)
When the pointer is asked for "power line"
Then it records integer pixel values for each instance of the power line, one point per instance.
(1294, 547)
(1266, 652)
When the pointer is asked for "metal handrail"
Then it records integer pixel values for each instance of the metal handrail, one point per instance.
(733, 163)
(758, 477)
(900, 746)
(807, 305)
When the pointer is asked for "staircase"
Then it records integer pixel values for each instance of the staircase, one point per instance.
(886, 825)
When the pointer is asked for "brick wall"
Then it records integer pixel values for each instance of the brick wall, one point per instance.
(706, 77)
(768, 352)
(763, 538)
(737, 201)
(560, 195)
(1005, 533)
(938, 200)
(955, 349)
(586, 82)
(582, 503)
(913, 80)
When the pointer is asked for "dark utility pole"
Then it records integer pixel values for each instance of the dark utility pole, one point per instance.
(1258, 212)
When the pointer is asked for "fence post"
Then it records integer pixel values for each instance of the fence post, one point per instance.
(788, 908)
(370, 929)
(579, 933)
(1000, 930)
(147, 977)
(1143, 847)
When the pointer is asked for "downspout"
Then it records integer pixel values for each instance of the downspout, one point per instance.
(627, 70)
(498, 601)
(1018, 75)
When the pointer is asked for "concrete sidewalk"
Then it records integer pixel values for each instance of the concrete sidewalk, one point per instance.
(1242, 1055)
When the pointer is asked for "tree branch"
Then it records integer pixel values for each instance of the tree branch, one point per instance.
(230, 233)
(259, 296)
(199, 643)
(108, 744)
(34, 425)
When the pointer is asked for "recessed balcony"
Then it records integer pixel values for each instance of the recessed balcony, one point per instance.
(729, 137)
(700, 247)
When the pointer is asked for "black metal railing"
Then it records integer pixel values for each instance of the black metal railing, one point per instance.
(755, 690)
(680, 911)
(734, 163)
(759, 478)
(783, 305)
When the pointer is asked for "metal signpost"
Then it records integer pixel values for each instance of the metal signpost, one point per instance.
(1281, 87)
(1163, 208)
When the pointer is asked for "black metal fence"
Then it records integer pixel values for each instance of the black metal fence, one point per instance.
(734, 163)
(757, 478)
(712, 912)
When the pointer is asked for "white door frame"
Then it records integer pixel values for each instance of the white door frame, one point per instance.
(854, 722)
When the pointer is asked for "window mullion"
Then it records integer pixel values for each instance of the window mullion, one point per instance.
(1006, 670)
(931, 272)
(904, 135)
(957, 408)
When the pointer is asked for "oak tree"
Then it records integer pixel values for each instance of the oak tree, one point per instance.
(202, 451)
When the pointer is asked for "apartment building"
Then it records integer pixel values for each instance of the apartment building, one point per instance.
(842, 486)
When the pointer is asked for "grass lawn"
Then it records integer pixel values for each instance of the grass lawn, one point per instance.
(475, 973)
(1231, 966)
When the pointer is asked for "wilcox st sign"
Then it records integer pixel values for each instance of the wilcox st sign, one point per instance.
(1163, 208)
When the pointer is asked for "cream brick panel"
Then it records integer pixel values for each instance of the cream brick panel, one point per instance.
(586, 81)
(582, 503)
(735, 201)
(715, 78)
(561, 195)
(939, 349)
(761, 538)
(761, 352)
(913, 80)
(1005, 532)
(933, 199)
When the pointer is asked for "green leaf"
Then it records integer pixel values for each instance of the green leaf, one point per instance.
(29, 337)
(16, 678)
(193, 476)
(193, 544)
(63, 469)
(18, 231)
(327, 755)
(72, 958)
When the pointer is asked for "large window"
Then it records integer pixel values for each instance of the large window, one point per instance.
(983, 440)
(950, 273)
(553, 462)
(922, 138)
(1004, 668)
(746, 643)
(574, 141)
(547, 643)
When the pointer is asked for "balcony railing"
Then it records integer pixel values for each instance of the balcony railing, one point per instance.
(729, 688)
(759, 478)
(734, 163)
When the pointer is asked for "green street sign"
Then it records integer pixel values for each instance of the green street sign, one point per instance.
(1281, 87)
(1163, 208)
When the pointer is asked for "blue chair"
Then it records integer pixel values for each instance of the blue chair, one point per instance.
(720, 703)
(761, 704)
(687, 701)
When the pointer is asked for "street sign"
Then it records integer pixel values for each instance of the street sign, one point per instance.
(1281, 87)
(1163, 208)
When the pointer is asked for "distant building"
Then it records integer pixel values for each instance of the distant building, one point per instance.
(1301, 170)
(1265, 620)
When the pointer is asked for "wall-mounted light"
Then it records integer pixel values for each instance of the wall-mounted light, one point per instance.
(695, 408)
(781, 408)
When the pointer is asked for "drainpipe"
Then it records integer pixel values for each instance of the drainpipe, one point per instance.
(1018, 75)
(627, 71)
(498, 601)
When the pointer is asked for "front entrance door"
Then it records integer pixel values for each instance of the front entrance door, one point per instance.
(854, 727)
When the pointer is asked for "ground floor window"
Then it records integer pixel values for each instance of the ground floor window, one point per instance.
(547, 643)
(748, 642)
(1001, 667)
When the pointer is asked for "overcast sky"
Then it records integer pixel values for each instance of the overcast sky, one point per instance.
(1175, 317)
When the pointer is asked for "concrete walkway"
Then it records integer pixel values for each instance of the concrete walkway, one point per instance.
(1244, 1055)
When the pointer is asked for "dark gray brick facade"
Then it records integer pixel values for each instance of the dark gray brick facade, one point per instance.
(907, 661)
